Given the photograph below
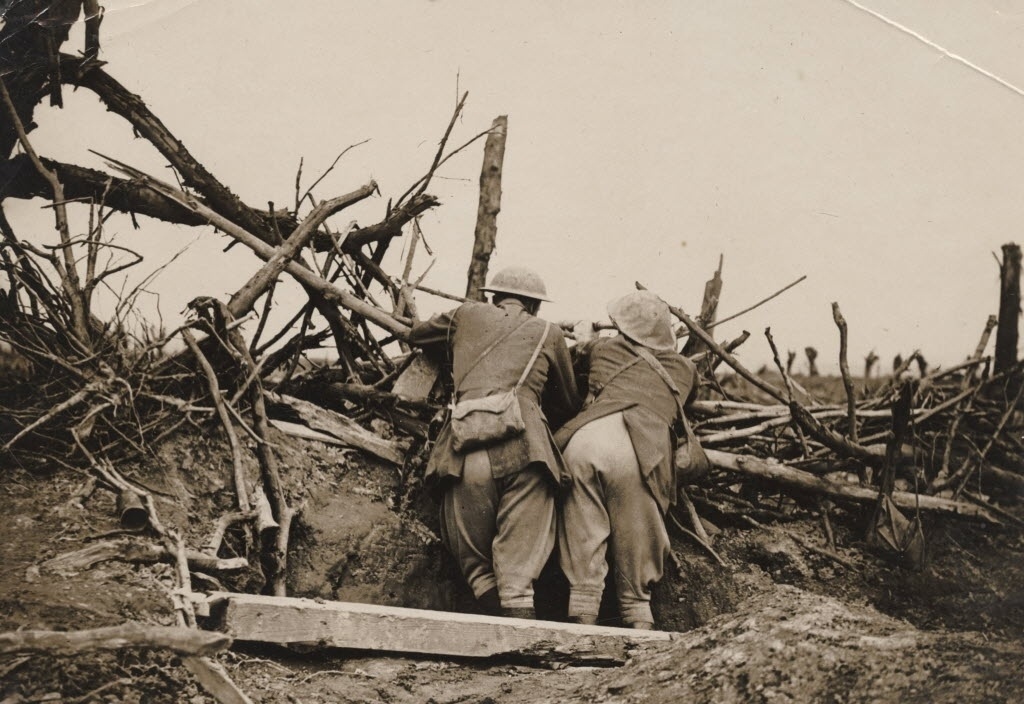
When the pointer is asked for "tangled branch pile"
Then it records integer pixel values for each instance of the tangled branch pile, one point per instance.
(86, 391)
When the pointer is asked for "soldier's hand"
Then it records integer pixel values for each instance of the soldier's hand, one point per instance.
(584, 331)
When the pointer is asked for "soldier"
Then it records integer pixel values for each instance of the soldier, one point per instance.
(498, 501)
(619, 451)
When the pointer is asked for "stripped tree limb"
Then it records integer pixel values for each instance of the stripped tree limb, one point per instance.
(789, 390)
(795, 479)
(683, 331)
(245, 298)
(184, 641)
(833, 440)
(241, 491)
(726, 357)
(74, 292)
(302, 274)
(844, 370)
(215, 680)
(128, 550)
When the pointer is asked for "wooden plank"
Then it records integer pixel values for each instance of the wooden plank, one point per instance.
(285, 620)
(348, 431)
(416, 382)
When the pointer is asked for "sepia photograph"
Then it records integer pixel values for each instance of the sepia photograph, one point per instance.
(449, 351)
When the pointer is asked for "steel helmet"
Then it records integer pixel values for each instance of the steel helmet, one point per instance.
(644, 318)
(518, 281)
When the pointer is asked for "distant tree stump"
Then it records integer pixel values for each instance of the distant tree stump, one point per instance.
(869, 364)
(812, 356)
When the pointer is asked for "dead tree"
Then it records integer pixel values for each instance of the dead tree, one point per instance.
(1009, 308)
(708, 310)
(922, 364)
(812, 356)
(490, 206)
(790, 360)
(870, 360)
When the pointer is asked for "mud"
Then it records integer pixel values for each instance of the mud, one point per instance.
(778, 623)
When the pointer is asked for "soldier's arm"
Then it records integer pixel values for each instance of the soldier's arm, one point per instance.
(436, 331)
(561, 396)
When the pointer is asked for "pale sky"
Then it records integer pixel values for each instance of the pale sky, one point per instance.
(801, 137)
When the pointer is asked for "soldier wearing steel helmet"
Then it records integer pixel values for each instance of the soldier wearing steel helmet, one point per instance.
(619, 451)
(498, 502)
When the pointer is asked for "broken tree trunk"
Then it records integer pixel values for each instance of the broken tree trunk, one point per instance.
(286, 620)
(490, 206)
(1009, 308)
(708, 311)
(791, 478)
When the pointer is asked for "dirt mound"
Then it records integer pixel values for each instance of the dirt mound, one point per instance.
(788, 645)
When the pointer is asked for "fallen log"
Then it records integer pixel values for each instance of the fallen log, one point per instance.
(791, 478)
(326, 421)
(184, 641)
(284, 620)
(130, 550)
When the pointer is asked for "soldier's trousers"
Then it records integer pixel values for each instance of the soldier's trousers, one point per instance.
(501, 531)
(609, 507)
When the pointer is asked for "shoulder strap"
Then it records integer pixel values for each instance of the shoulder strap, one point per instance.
(623, 367)
(657, 366)
(536, 352)
(488, 350)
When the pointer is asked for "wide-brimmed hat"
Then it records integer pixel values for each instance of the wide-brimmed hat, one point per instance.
(518, 281)
(644, 318)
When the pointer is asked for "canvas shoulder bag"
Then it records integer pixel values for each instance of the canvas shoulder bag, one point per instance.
(479, 422)
(691, 462)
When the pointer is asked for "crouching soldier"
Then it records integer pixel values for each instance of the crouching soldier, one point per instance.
(499, 486)
(619, 451)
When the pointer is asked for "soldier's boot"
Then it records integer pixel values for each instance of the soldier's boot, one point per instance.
(585, 619)
(489, 602)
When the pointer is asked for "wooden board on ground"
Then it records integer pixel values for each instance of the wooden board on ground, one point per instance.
(416, 382)
(324, 420)
(285, 620)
